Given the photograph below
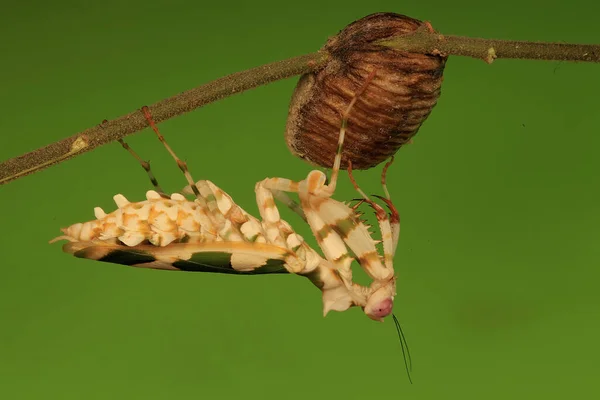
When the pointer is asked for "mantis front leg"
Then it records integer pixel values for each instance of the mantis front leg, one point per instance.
(332, 223)
(332, 276)
(280, 233)
(329, 241)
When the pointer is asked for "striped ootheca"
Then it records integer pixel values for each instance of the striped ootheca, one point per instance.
(211, 233)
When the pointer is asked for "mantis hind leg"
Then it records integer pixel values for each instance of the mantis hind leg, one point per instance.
(145, 165)
(201, 189)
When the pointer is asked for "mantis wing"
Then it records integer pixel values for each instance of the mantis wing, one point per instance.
(239, 258)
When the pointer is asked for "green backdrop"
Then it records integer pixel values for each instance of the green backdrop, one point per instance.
(499, 196)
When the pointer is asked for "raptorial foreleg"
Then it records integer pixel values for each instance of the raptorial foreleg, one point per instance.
(384, 226)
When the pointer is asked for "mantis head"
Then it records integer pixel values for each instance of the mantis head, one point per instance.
(381, 301)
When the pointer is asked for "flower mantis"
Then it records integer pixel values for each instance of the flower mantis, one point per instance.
(211, 233)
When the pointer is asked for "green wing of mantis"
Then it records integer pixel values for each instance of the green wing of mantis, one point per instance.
(239, 258)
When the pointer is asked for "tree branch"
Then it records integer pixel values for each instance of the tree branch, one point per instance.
(423, 40)
(109, 131)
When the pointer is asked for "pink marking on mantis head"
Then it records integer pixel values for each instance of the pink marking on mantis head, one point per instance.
(381, 309)
(381, 302)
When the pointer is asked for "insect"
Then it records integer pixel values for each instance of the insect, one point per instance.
(211, 233)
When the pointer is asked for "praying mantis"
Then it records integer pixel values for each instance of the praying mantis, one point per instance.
(211, 233)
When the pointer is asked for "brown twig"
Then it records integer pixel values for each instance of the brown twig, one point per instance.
(135, 121)
(423, 40)
(427, 41)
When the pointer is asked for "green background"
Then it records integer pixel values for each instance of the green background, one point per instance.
(499, 196)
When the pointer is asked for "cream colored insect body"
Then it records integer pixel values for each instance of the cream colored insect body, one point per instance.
(211, 233)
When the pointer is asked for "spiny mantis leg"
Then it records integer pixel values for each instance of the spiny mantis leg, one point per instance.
(384, 224)
(390, 234)
(394, 215)
(330, 242)
(334, 280)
